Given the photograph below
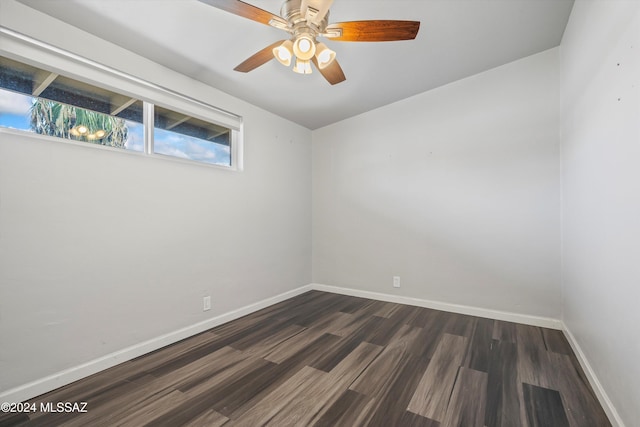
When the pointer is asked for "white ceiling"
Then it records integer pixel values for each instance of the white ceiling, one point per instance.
(457, 38)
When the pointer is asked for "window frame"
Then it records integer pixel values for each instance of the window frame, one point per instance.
(27, 50)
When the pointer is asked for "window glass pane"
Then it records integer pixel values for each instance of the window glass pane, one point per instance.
(187, 137)
(46, 117)
(46, 103)
(15, 110)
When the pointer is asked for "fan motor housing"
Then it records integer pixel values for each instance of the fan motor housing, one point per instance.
(290, 11)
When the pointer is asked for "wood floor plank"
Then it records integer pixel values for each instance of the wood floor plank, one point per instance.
(332, 322)
(383, 370)
(544, 407)
(365, 333)
(151, 408)
(236, 399)
(353, 304)
(556, 342)
(409, 419)
(205, 395)
(264, 346)
(391, 380)
(236, 395)
(385, 330)
(391, 401)
(503, 403)
(478, 354)
(432, 395)
(283, 310)
(422, 317)
(504, 331)
(533, 359)
(10, 419)
(409, 314)
(281, 399)
(350, 409)
(455, 324)
(351, 323)
(226, 393)
(385, 309)
(188, 357)
(430, 336)
(219, 364)
(581, 405)
(306, 396)
(462, 410)
(291, 346)
(210, 419)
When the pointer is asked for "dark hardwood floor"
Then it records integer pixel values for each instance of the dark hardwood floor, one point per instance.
(322, 359)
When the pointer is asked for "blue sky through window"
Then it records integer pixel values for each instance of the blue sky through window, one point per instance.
(188, 147)
(15, 110)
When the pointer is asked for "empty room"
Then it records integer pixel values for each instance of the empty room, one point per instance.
(320, 213)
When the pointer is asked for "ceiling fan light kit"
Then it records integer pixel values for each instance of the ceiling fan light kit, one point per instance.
(305, 21)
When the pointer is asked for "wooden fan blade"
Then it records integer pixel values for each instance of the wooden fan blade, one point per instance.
(333, 72)
(375, 31)
(258, 59)
(245, 10)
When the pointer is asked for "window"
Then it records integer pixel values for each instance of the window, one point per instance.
(46, 103)
(43, 102)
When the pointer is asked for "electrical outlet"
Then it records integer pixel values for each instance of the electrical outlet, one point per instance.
(206, 303)
(396, 281)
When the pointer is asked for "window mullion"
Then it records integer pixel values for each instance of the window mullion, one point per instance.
(147, 118)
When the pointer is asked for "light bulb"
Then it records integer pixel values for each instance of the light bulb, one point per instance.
(82, 130)
(283, 54)
(100, 134)
(324, 57)
(304, 47)
(302, 67)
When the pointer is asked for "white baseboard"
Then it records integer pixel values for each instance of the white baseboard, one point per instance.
(602, 396)
(59, 379)
(544, 322)
(44, 385)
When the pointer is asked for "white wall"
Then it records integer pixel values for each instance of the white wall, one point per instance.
(601, 193)
(455, 190)
(102, 250)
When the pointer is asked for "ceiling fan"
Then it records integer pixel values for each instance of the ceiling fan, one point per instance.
(305, 21)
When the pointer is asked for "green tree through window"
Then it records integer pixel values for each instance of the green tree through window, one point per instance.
(66, 121)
